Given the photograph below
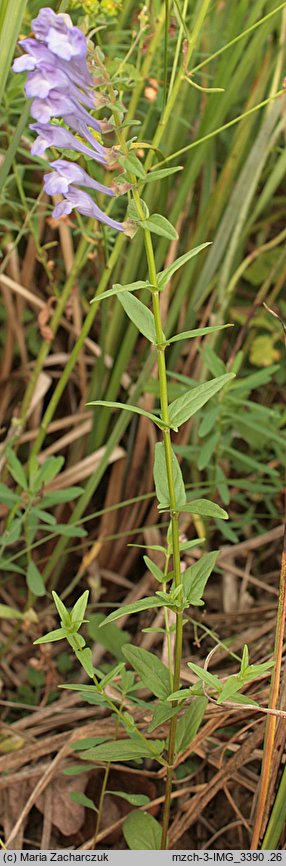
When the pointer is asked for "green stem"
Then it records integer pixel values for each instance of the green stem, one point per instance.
(163, 386)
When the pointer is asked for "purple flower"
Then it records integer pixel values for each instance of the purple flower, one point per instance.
(67, 173)
(81, 201)
(58, 32)
(76, 70)
(58, 136)
(56, 104)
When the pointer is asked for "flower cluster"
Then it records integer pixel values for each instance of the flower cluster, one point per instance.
(62, 88)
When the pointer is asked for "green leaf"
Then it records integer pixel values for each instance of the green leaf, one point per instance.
(112, 674)
(189, 403)
(158, 547)
(70, 530)
(208, 421)
(189, 723)
(90, 694)
(133, 165)
(212, 361)
(111, 637)
(132, 211)
(34, 580)
(159, 225)
(48, 471)
(57, 634)
(155, 570)
(197, 332)
(7, 612)
(203, 507)
(13, 533)
(245, 659)
(9, 565)
(62, 610)
(56, 497)
(84, 657)
(161, 713)
(181, 694)
(126, 609)
(229, 689)
(255, 380)
(16, 469)
(118, 289)
(161, 173)
(78, 611)
(87, 743)
(142, 832)
(83, 800)
(139, 314)
(207, 449)
(242, 699)
(44, 516)
(161, 477)
(7, 497)
(123, 750)
(76, 769)
(154, 675)
(196, 576)
(138, 411)
(165, 276)
(187, 545)
(134, 799)
(205, 676)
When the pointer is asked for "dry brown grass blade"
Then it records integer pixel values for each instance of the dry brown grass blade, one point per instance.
(82, 469)
(40, 787)
(200, 801)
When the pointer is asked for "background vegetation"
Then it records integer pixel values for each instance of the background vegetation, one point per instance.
(68, 524)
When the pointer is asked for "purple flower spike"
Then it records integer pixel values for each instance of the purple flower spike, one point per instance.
(61, 86)
(81, 201)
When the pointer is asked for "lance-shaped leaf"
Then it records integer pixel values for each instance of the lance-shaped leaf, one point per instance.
(165, 276)
(35, 580)
(161, 478)
(118, 289)
(57, 634)
(197, 332)
(125, 750)
(84, 657)
(137, 409)
(189, 403)
(139, 314)
(161, 713)
(161, 173)
(189, 723)
(155, 570)
(7, 612)
(195, 577)
(154, 675)
(126, 609)
(204, 507)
